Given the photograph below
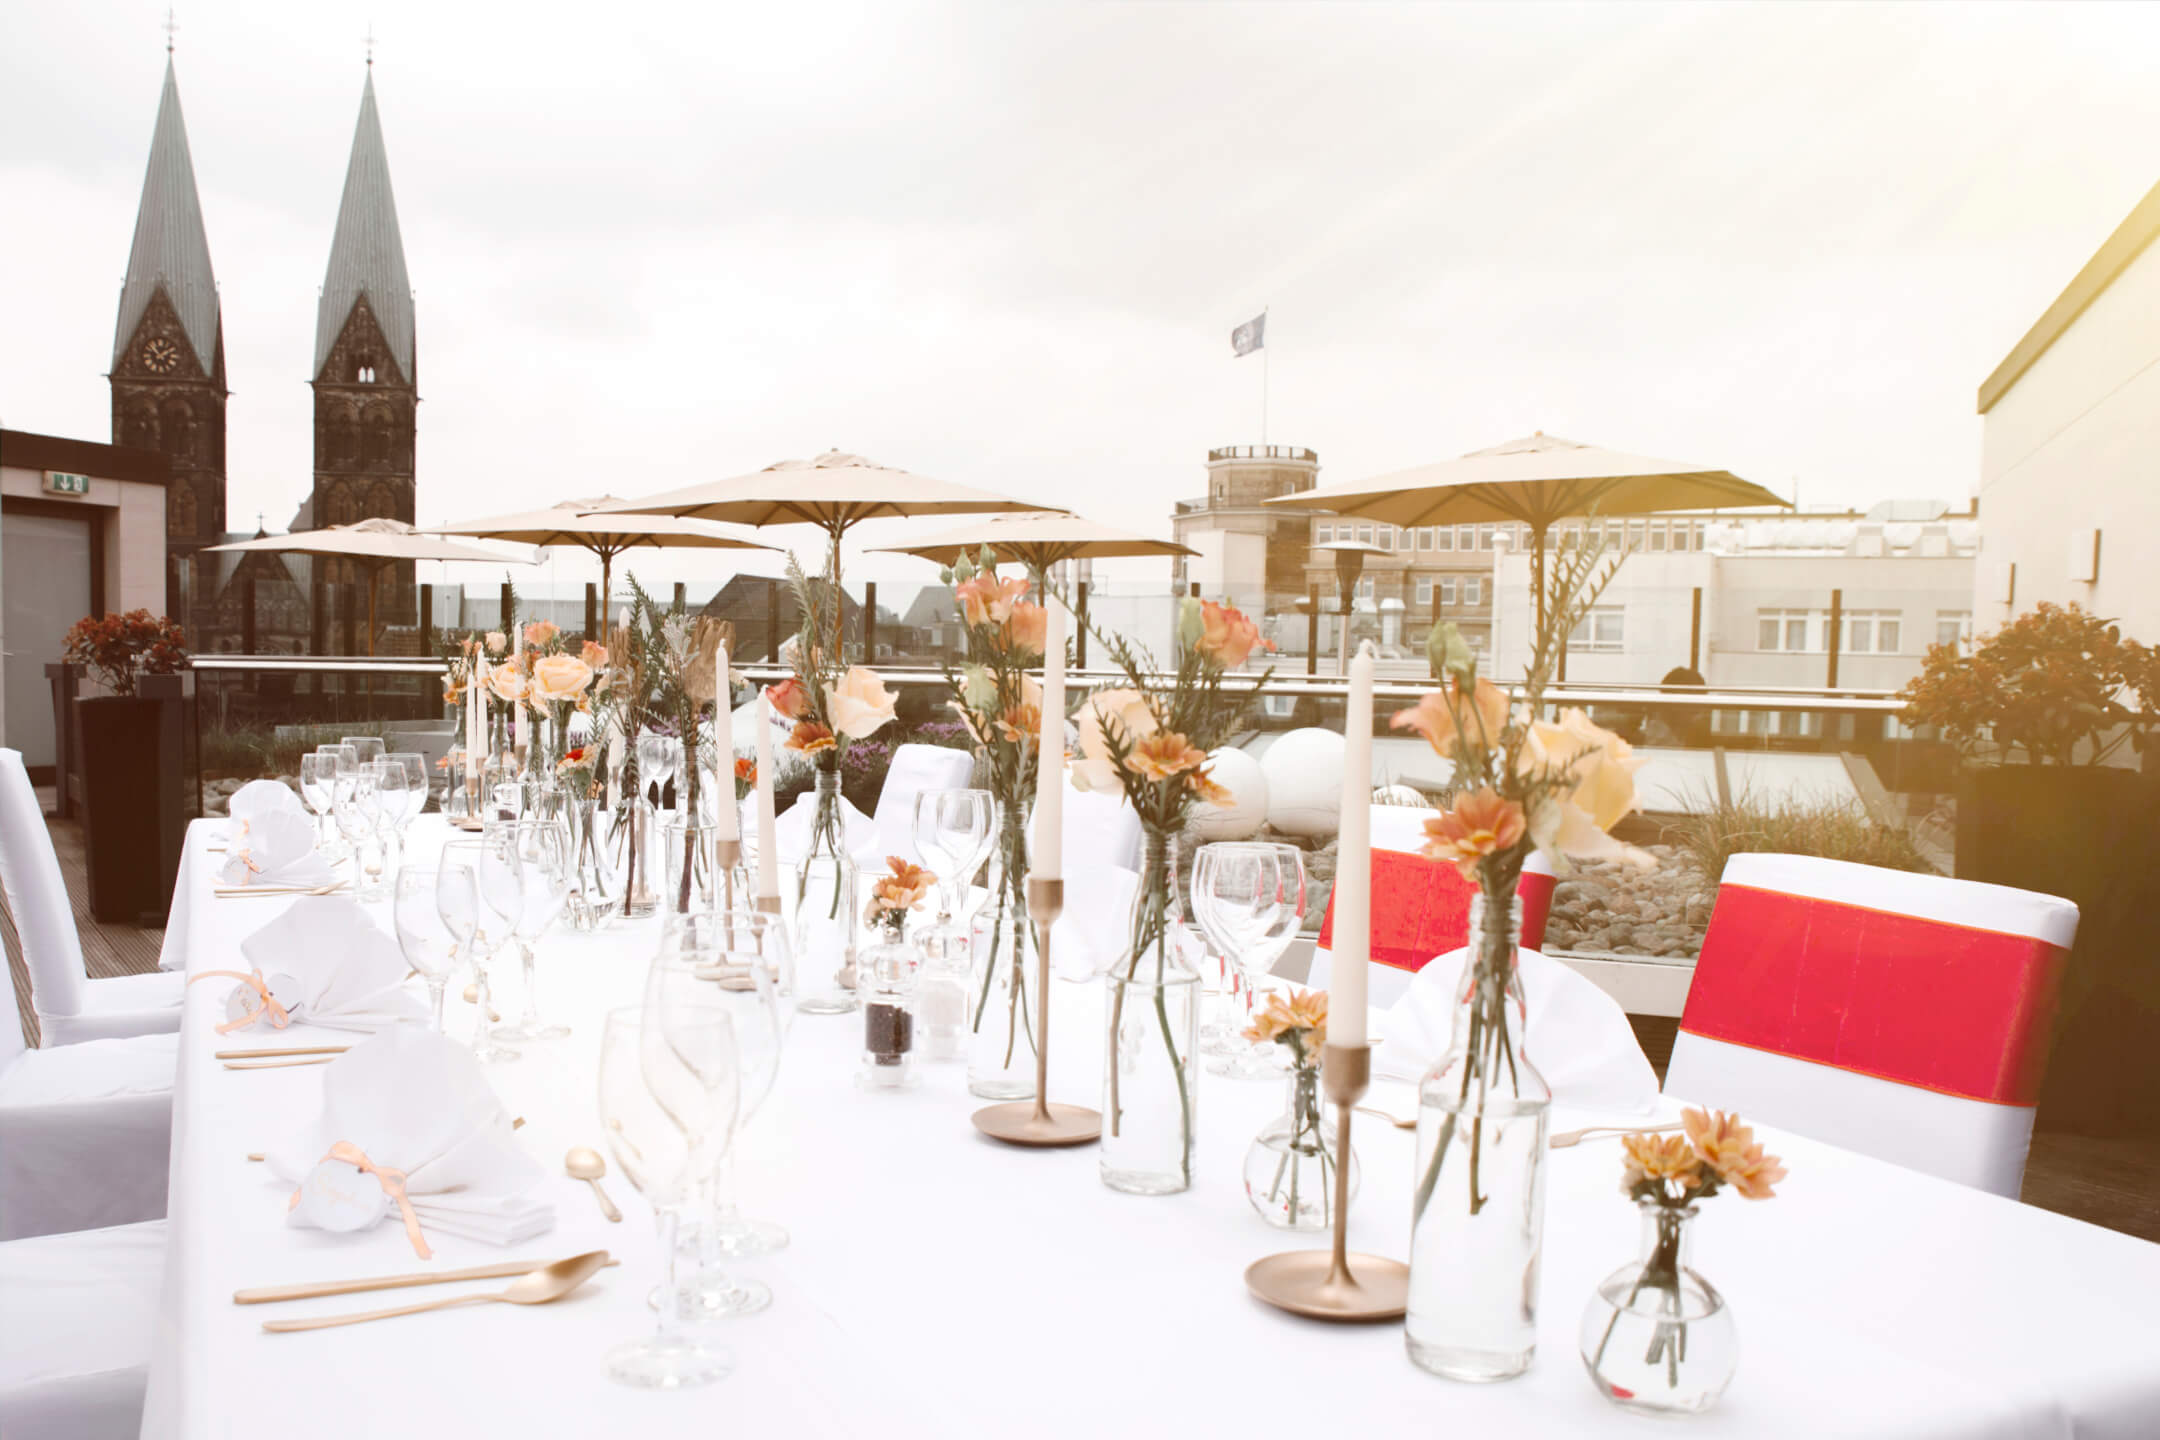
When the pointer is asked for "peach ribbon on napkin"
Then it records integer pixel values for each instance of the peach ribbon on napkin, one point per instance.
(278, 1018)
(393, 1184)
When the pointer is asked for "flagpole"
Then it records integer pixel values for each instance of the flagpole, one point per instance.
(1263, 375)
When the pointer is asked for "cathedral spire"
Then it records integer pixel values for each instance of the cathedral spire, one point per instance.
(367, 255)
(171, 248)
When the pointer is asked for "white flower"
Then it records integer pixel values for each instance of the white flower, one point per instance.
(860, 704)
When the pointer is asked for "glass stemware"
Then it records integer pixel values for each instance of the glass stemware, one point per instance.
(1249, 898)
(318, 773)
(367, 749)
(423, 937)
(542, 848)
(418, 786)
(393, 804)
(726, 960)
(479, 896)
(358, 820)
(646, 1131)
(953, 832)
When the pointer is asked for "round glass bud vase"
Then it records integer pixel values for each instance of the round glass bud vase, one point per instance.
(1290, 1168)
(1656, 1336)
(887, 978)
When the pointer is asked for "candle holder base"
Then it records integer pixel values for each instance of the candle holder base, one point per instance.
(470, 826)
(1017, 1123)
(1304, 1282)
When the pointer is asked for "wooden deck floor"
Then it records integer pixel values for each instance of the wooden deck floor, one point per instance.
(2110, 1182)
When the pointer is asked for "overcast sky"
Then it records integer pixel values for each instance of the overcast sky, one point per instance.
(1005, 245)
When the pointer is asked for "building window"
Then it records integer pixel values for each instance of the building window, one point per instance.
(1953, 627)
(1785, 630)
(1365, 588)
(1604, 628)
(1635, 535)
(1447, 592)
(1322, 534)
(1657, 537)
(1425, 537)
(1873, 632)
(1364, 534)
(1485, 535)
(1386, 538)
(1424, 591)
(1473, 591)
(1466, 537)
(1444, 538)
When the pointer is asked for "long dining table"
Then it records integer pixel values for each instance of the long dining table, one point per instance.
(939, 1283)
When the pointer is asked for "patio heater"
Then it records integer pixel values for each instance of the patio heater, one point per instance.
(1349, 565)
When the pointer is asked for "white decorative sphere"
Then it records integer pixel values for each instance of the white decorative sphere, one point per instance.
(1304, 772)
(1239, 772)
(1403, 795)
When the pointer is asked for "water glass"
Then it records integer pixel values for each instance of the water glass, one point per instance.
(1249, 898)
(318, 772)
(480, 896)
(426, 941)
(654, 1151)
(542, 848)
(366, 748)
(357, 820)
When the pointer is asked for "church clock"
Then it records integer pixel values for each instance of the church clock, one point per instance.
(161, 355)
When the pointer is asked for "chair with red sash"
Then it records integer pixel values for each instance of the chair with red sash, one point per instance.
(1903, 1016)
(1420, 907)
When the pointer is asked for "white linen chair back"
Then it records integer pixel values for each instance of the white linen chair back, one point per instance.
(915, 768)
(1903, 1016)
(1100, 830)
(37, 895)
(13, 1044)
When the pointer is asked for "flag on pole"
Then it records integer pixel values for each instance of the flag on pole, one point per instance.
(1250, 336)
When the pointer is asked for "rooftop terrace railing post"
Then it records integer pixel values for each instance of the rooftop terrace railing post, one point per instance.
(772, 621)
(509, 608)
(247, 615)
(427, 619)
(1312, 630)
(682, 595)
(1080, 633)
(1694, 638)
(592, 611)
(1837, 627)
(869, 622)
(318, 615)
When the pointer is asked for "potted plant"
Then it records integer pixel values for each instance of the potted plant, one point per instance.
(129, 747)
(2044, 713)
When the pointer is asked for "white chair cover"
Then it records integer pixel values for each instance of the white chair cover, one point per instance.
(85, 1131)
(78, 1312)
(70, 1006)
(1903, 1016)
(915, 768)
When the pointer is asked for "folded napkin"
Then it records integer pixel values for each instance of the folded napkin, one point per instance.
(326, 963)
(1579, 1037)
(409, 1113)
(278, 849)
(857, 831)
(256, 798)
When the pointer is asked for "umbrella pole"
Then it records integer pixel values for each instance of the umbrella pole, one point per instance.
(374, 573)
(607, 591)
(839, 609)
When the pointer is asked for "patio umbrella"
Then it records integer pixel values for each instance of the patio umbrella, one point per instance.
(834, 492)
(377, 544)
(606, 535)
(1536, 480)
(1037, 540)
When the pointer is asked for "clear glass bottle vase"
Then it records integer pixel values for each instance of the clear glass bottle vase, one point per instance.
(1152, 1040)
(1001, 990)
(825, 916)
(594, 896)
(1290, 1166)
(1478, 1205)
(630, 838)
(1656, 1336)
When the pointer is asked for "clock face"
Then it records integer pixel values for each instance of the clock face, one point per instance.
(161, 355)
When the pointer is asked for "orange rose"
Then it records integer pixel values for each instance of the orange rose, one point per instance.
(1027, 629)
(594, 654)
(1481, 824)
(1227, 636)
(809, 738)
(790, 698)
(987, 600)
(1443, 714)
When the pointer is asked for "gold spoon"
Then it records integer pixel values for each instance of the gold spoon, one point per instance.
(1566, 1139)
(535, 1287)
(1410, 1124)
(585, 1164)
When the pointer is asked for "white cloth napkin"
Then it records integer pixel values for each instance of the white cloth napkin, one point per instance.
(278, 849)
(413, 1100)
(857, 831)
(258, 797)
(329, 964)
(1579, 1037)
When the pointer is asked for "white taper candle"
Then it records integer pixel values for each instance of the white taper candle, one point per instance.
(723, 739)
(768, 841)
(1353, 862)
(1049, 850)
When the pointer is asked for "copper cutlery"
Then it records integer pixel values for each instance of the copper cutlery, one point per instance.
(534, 1287)
(504, 1270)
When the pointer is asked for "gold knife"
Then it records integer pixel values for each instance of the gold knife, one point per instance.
(275, 1052)
(278, 1064)
(264, 1295)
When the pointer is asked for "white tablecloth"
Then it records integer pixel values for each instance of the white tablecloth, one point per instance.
(941, 1284)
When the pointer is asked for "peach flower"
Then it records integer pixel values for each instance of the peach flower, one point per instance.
(1596, 769)
(809, 737)
(497, 642)
(1729, 1149)
(860, 704)
(1164, 755)
(1482, 823)
(594, 654)
(1122, 713)
(1300, 1010)
(1208, 789)
(790, 698)
(507, 681)
(1027, 629)
(1655, 1159)
(987, 600)
(540, 632)
(1441, 715)
(560, 677)
(1227, 636)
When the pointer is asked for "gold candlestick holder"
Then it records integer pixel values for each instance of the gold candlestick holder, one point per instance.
(1038, 1122)
(1322, 1284)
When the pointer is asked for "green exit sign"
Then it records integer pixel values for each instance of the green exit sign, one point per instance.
(59, 482)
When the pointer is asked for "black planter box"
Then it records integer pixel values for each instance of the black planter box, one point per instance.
(131, 753)
(2089, 834)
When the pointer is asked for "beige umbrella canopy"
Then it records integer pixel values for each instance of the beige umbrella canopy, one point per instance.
(834, 492)
(574, 522)
(377, 544)
(1537, 480)
(1037, 540)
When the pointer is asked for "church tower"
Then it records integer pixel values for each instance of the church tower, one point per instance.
(366, 379)
(168, 361)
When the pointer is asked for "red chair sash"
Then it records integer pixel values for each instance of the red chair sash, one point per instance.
(1922, 1002)
(1421, 908)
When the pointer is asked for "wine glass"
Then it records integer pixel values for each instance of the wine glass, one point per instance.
(418, 785)
(480, 896)
(1249, 898)
(357, 821)
(719, 959)
(652, 1146)
(367, 749)
(341, 763)
(953, 830)
(426, 941)
(393, 805)
(542, 848)
(317, 774)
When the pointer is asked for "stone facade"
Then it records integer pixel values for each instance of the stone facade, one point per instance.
(164, 400)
